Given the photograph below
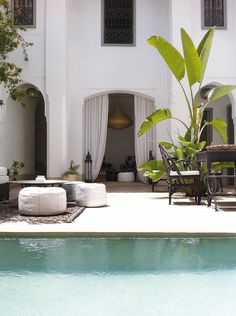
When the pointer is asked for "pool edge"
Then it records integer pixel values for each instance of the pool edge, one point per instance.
(118, 234)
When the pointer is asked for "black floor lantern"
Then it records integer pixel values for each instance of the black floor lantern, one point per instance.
(88, 168)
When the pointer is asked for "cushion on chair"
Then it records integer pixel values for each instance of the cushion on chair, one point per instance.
(42, 201)
(91, 195)
(185, 173)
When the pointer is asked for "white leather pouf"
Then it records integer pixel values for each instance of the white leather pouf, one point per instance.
(4, 184)
(4, 179)
(3, 175)
(42, 201)
(126, 176)
(72, 190)
(3, 171)
(91, 194)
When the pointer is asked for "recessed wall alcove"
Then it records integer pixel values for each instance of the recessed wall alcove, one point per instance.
(115, 149)
(25, 130)
(120, 142)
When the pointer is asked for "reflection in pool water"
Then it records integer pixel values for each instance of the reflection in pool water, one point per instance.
(73, 276)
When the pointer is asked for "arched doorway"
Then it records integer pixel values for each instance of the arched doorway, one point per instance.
(120, 149)
(40, 147)
(26, 131)
(124, 145)
(221, 108)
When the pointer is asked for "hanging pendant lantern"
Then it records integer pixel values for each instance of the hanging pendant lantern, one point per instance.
(119, 120)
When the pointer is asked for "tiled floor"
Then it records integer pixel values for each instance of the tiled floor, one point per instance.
(134, 210)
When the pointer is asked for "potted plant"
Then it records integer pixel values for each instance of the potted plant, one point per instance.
(15, 169)
(72, 174)
(191, 64)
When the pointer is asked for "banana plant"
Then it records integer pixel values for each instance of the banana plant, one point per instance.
(192, 64)
(155, 169)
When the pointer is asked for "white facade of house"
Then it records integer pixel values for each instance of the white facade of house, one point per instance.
(68, 64)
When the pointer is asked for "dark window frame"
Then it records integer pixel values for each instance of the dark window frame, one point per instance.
(33, 24)
(103, 27)
(224, 15)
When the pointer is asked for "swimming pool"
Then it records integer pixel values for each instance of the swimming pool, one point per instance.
(78, 276)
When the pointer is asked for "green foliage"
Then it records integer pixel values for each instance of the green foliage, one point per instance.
(192, 59)
(170, 54)
(153, 119)
(10, 40)
(155, 169)
(15, 168)
(193, 62)
(220, 92)
(73, 169)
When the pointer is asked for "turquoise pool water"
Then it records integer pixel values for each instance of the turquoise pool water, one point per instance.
(130, 277)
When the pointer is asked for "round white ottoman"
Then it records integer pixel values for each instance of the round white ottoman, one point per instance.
(4, 178)
(72, 190)
(42, 201)
(91, 194)
(3, 171)
(126, 176)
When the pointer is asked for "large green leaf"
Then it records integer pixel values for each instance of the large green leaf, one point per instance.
(166, 145)
(155, 175)
(220, 92)
(155, 169)
(204, 49)
(152, 165)
(192, 59)
(154, 118)
(188, 134)
(170, 54)
(201, 145)
(180, 153)
(221, 127)
(186, 142)
(191, 151)
(220, 166)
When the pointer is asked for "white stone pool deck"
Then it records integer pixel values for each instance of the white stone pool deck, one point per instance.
(135, 211)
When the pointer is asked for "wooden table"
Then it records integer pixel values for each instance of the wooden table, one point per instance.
(216, 156)
(46, 183)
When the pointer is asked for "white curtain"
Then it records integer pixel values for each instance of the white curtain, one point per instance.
(96, 116)
(143, 144)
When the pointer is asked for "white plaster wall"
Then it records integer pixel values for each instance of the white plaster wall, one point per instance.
(94, 68)
(17, 123)
(56, 86)
(34, 69)
(67, 63)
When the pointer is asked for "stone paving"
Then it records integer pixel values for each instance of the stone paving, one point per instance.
(133, 210)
